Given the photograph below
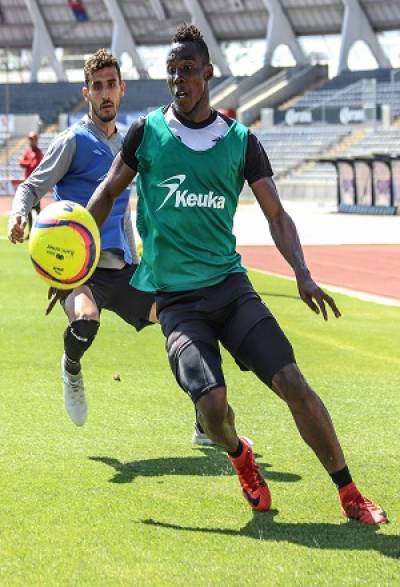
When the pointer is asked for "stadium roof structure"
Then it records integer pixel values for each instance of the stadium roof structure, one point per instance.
(124, 24)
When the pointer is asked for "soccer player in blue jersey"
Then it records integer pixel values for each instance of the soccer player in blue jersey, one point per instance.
(192, 162)
(73, 166)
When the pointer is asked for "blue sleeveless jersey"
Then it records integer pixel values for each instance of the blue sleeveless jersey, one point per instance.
(88, 168)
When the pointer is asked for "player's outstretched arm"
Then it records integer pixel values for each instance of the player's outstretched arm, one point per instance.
(286, 239)
(118, 178)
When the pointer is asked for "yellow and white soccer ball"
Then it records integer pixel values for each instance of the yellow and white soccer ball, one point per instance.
(64, 244)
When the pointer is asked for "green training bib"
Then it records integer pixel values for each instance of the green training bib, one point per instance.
(186, 203)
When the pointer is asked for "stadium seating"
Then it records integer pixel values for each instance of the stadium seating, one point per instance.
(288, 147)
(353, 88)
(376, 140)
(319, 179)
(46, 99)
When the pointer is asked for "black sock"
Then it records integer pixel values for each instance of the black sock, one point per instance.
(342, 477)
(237, 452)
(73, 367)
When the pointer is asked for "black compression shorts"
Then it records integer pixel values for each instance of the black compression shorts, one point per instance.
(231, 313)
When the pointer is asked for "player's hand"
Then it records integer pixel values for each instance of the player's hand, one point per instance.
(315, 297)
(54, 295)
(16, 228)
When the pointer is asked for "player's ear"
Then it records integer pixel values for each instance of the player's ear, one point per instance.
(123, 87)
(208, 72)
(85, 93)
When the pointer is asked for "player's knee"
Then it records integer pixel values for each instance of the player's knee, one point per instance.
(291, 386)
(80, 305)
(213, 410)
(87, 314)
(78, 337)
(196, 366)
(213, 405)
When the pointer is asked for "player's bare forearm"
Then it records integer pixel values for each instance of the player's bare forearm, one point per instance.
(282, 227)
(286, 239)
(118, 178)
(101, 203)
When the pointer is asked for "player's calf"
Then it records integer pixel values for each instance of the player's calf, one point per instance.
(78, 337)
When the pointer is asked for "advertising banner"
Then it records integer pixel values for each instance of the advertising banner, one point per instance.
(327, 114)
(346, 182)
(382, 183)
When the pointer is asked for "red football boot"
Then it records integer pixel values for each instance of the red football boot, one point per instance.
(357, 507)
(255, 490)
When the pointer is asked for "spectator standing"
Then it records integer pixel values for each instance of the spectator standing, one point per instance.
(30, 159)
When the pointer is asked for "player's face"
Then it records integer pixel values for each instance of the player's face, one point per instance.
(103, 93)
(187, 78)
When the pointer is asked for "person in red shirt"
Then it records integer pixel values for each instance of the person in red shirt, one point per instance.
(30, 159)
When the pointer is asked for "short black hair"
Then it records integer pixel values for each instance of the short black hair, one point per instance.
(188, 33)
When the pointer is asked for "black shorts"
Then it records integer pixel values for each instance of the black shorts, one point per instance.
(195, 322)
(112, 291)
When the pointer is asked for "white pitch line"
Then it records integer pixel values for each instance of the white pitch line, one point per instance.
(361, 295)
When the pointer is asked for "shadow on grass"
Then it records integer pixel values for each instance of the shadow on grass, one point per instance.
(213, 464)
(349, 536)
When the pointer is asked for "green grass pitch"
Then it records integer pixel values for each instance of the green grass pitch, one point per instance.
(127, 500)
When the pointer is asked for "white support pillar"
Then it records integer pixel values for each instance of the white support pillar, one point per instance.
(280, 32)
(356, 27)
(42, 45)
(122, 40)
(200, 20)
(158, 9)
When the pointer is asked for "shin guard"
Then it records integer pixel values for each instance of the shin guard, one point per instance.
(78, 337)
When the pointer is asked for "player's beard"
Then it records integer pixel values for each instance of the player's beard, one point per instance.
(105, 116)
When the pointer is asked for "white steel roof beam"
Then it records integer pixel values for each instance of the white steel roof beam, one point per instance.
(280, 32)
(200, 20)
(356, 27)
(158, 9)
(42, 45)
(122, 39)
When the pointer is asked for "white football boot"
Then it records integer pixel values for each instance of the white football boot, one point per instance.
(201, 438)
(74, 395)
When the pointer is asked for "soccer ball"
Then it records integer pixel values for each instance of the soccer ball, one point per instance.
(64, 244)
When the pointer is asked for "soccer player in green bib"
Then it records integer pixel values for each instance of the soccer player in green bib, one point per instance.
(192, 163)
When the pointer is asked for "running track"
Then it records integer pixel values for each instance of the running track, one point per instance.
(374, 269)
